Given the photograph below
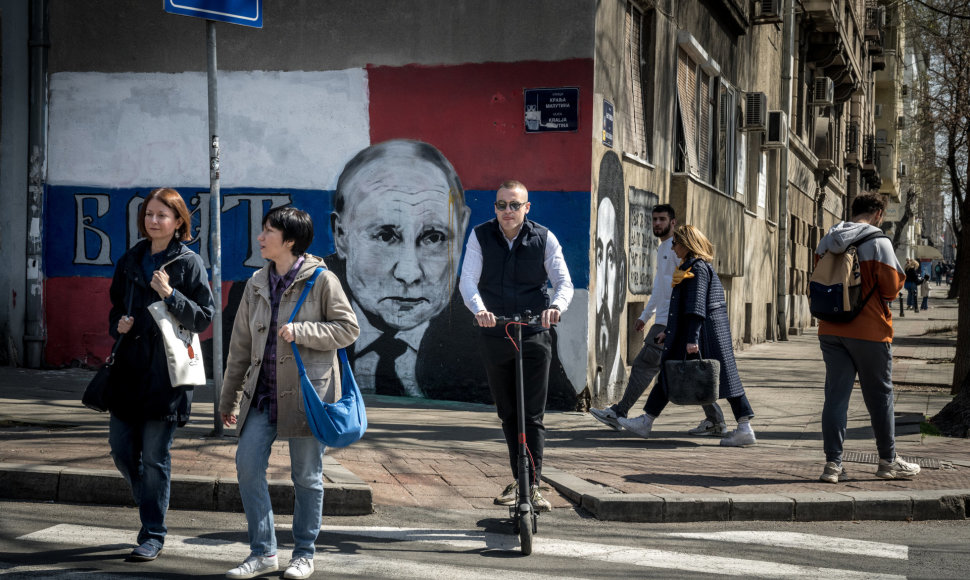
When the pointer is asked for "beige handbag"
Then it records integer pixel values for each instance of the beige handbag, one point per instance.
(182, 347)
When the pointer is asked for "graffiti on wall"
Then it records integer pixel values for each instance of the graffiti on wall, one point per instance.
(610, 266)
(641, 241)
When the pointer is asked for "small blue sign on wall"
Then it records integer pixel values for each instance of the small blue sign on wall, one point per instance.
(551, 110)
(607, 123)
(244, 12)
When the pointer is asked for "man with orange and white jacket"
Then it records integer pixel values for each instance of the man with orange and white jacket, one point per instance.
(863, 346)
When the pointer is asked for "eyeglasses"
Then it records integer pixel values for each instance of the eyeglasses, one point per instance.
(514, 206)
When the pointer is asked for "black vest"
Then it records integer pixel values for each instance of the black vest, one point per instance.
(513, 280)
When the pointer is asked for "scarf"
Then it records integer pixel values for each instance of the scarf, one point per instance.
(680, 276)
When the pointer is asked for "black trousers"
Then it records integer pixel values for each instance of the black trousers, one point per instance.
(498, 354)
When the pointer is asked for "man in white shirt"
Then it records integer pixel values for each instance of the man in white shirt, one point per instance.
(508, 261)
(646, 365)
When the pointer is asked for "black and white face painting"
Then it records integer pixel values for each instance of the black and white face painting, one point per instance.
(400, 234)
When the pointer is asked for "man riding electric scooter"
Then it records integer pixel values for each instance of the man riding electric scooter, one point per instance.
(508, 261)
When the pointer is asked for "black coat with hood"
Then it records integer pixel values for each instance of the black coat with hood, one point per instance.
(140, 386)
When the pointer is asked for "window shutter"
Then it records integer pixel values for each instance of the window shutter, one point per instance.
(686, 80)
(704, 126)
(635, 129)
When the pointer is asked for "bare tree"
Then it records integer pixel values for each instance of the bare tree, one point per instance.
(941, 28)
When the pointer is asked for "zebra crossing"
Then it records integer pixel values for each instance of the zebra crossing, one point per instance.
(581, 557)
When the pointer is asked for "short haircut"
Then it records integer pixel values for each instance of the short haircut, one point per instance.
(295, 224)
(512, 185)
(172, 200)
(397, 148)
(695, 242)
(867, 203)
(665, 208)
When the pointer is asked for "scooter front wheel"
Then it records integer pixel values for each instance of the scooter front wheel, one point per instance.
(524, 523)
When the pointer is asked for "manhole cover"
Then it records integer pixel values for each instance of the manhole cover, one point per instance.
(856, 457)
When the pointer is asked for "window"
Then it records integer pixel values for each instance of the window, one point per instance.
(639, 75)
(707, 118)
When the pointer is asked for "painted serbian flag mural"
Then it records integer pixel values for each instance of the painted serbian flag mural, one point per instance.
(286, 137)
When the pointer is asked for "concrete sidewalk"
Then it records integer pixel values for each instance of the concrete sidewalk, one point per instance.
(449, 455)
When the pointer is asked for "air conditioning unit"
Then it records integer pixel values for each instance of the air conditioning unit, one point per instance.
(824, 94)
(755, 112)
(901, 122)
(769, 11)
(877, 110)
(902, 170)
(777, 135)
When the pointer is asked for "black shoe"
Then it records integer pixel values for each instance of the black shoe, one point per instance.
(145, 552)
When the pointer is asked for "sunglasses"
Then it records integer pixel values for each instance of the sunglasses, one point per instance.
(515, 205)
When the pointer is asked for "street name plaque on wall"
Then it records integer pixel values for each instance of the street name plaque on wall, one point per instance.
(548, 110)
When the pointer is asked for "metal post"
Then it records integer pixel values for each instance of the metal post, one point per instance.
(34, 330)
(215, 203)
(788, 50)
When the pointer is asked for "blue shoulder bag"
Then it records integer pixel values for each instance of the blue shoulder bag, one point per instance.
(333, 424)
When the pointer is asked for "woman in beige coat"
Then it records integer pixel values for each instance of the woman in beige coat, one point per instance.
(261, 389)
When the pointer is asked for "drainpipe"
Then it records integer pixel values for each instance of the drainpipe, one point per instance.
(787, 53)
(34, 332)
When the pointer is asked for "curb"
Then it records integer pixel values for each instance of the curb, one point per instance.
(611, 505)
(345, 494)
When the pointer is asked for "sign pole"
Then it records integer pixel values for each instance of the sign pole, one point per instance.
(215, 215)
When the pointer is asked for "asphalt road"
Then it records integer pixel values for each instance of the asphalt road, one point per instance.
(60, 541)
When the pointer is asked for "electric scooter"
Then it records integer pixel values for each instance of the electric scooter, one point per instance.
(523, 514)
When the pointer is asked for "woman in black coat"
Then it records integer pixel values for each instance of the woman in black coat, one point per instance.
(145, 407)
(698, 323)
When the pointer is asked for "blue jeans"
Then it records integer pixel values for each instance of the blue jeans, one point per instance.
(873, 363)
(141, 453)
(911, 290)
(306, 471)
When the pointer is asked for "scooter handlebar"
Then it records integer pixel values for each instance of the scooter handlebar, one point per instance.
(526, 317)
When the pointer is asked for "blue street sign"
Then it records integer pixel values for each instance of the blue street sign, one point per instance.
(244, 12)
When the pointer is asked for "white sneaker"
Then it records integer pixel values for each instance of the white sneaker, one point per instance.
(833, 473)
(300, 567)
(641, 425)
(607, 417)
(896, 469)
(254, 566)
(739, 438)
(707, 428)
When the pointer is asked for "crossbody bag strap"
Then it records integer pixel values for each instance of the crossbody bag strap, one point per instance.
(306, 291)
(114, 349)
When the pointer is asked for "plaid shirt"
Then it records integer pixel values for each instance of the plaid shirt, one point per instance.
(265, 398)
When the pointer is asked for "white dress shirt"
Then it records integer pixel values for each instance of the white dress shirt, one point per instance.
(555, 264)
(667, 262)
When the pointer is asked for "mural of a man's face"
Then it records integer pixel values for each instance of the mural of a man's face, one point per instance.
(607, 275)
(401, 236)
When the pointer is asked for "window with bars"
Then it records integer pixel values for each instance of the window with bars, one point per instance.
(639, 75)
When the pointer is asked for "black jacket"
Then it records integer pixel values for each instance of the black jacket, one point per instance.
(140, 388)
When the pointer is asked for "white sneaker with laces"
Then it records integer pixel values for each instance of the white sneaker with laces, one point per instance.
(740, 437)
(833, 473)
(300, 567)
(896, 469)
(641, 425)
(607, 417)
(509, 495)
(254, 566)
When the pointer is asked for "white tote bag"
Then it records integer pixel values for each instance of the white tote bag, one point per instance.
(182, 347)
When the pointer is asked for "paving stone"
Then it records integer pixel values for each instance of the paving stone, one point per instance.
(815, 507)
(696, 508)
(762, 507)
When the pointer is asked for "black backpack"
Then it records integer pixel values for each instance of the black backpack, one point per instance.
(835, 288)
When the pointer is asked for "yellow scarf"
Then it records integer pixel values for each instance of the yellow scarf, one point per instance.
(680, 276)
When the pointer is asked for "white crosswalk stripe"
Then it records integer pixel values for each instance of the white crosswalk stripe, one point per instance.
(363, 565)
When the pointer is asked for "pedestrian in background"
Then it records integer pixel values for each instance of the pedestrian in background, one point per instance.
(913, 280)
(863, 346)
(698, 324)
(145, 406)
(924, 292)
(646, 365)
(508, 261)
(261, 389)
